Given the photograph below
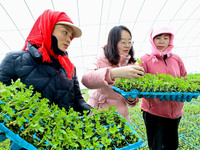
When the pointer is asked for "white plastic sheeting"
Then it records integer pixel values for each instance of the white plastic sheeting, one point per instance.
(97, 17)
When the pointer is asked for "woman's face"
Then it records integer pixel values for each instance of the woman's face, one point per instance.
(64, 35)
(161, 41)
(124, 45)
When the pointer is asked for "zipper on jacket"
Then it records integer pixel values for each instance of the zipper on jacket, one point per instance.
(164, 58)
(149, 104)
(166, 65)
(174, 70)
(172, 109)
(172, 103)
(126, 61)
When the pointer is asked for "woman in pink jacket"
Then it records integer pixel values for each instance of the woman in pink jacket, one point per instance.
(162, 117)
(116, 61)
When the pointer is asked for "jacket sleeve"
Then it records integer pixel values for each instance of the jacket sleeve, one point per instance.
(80, 104)
(183, 71)
(96, 77)
(144, 64)
(7, 70)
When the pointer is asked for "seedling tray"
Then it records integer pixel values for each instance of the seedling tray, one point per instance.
(18, 142)
(133, 146)
(136, 145)
(173, 96)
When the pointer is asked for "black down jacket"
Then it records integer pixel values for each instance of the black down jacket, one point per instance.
(50, 79)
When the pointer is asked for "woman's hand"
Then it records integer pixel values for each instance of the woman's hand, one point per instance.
(128, 72)
(131, 99)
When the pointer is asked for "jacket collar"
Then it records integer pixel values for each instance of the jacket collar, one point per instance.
(33, 51)
(124, 60)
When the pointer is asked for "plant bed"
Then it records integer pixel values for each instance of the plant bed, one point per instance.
(161, 86)
(38, 125)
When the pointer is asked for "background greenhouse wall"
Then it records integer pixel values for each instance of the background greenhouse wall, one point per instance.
(97, 17)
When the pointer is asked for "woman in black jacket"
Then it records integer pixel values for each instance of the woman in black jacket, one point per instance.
(44, 62)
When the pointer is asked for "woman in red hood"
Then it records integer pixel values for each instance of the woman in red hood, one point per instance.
(44, 61)
(162, 117)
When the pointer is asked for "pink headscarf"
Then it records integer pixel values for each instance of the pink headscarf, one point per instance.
(155, 52)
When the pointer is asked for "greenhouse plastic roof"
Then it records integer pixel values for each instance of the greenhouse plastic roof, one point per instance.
(97, 17)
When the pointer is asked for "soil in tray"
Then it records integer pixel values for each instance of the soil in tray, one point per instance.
(119, 143)
(12, 127)
(110, 147)
(28, 137)
(131, 139)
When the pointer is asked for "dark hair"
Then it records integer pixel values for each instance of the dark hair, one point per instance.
(162, 34)
(110, 48)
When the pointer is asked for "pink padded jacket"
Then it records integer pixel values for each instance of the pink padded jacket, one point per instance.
(173, 65)
(98, 79)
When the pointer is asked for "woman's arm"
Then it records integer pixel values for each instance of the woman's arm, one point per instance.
(97, 77)
(80, 104)
(7, 70)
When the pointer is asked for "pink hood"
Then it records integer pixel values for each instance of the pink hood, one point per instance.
(155, 52)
